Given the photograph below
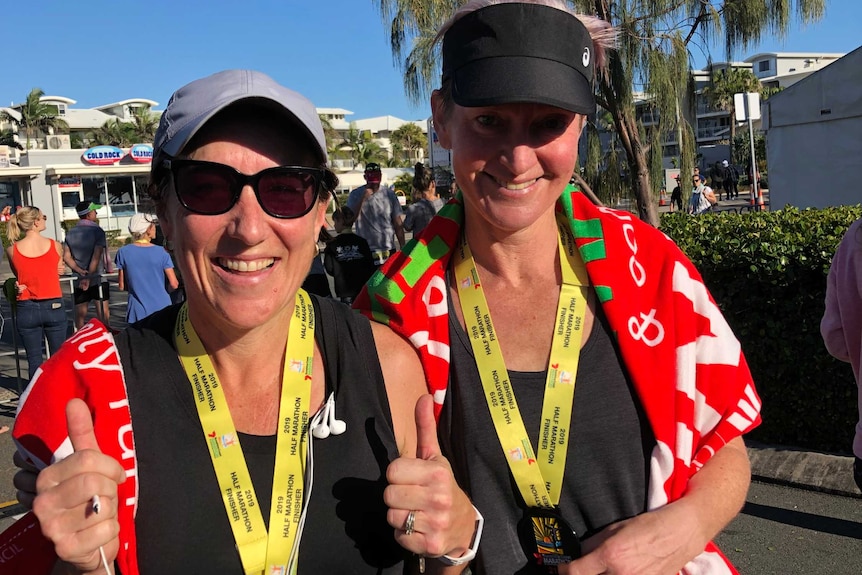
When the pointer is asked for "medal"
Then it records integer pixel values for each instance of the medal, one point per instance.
(547, 539)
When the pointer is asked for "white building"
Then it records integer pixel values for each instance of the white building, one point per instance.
(55, 173)
(814, 137)
(711, 125)
(379, 129)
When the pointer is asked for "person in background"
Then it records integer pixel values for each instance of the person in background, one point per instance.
(347, 257)
(717, 176)
(700, 202)
(841, 326)
(6, 213)
(37, 263)
(145, 270)
(591, 396)
(205, 419)
(85, 251)
(316, 281)
(378, 214)
(731, 181)
(676, 196)
(426, 201)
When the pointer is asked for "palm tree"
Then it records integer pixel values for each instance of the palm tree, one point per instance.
(7, 138)
(653, 56)
(329, 133)
(398, 158)
(369, 151)
(144, 124)
(36, 116)
(114, 133)
(723, 85)
(357, 140)
(408, 139)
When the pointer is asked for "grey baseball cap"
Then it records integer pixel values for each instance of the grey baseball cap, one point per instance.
(194, 104)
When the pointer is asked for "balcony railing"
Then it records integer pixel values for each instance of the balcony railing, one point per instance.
(713, 132)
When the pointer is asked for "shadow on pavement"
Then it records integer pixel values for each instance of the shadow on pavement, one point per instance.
(804, 520)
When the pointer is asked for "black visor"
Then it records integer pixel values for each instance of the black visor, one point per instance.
(508, 53)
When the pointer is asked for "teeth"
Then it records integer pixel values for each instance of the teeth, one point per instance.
(246, 266)
(515, 187)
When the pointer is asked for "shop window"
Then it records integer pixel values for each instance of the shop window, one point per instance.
(94, 189)
(120, 196)
(144, 203)
(69, 199)
(9, 194)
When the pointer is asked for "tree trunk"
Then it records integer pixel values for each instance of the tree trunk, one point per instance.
(639, 175)
(586, 189)
(627, 130)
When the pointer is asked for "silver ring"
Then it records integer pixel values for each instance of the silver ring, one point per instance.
(410, 523)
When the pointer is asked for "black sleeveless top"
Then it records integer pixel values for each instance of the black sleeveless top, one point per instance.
(607, 465)
(181, 522)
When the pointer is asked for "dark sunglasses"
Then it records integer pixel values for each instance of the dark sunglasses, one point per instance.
(210, 189)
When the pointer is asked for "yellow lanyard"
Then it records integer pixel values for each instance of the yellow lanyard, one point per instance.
(260, 553)
(539, 478)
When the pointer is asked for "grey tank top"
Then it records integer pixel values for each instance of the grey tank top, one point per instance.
(607, 466)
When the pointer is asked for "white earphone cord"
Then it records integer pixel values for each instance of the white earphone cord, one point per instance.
(319, 429)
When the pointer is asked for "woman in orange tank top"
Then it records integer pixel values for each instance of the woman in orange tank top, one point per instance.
(37, 263)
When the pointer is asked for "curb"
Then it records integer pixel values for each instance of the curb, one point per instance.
(813, 470)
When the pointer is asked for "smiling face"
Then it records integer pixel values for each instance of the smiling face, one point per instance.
(242, 268)
(511, 161)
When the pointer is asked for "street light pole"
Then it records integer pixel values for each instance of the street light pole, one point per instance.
(753, 168)
(747, 107)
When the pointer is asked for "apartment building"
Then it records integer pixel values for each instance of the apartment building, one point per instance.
(380, 129)
(60, 170)
(711, 125)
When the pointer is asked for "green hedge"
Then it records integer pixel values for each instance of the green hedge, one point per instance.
(767, 272)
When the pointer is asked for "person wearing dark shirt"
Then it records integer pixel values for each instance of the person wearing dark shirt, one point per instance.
(717, 177)
(85, 252)
(731, 180)
(347, 257)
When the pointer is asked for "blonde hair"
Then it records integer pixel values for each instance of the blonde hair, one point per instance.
(22, 222)
(141, 235)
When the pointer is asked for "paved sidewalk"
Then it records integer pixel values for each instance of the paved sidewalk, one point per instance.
(825, 472)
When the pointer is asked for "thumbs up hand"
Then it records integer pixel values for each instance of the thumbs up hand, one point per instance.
(64, 497)
(443, 519)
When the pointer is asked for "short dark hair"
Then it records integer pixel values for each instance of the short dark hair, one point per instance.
(346, 215)
(372, 167)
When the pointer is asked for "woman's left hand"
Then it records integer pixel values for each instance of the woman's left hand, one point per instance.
(658, 542)
(444, 519)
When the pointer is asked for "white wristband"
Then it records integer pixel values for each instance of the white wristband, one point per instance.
(470, 554)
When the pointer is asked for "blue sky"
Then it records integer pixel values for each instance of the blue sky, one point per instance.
(336, 52)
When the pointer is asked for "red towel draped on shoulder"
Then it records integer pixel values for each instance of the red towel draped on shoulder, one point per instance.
(686, 364)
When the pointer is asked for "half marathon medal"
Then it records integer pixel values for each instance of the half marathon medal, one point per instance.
(547, 539)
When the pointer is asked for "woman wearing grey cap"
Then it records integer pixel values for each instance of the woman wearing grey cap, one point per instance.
(591, 397)
(232, 457)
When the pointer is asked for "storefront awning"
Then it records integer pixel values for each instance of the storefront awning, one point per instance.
(53, 172)
(18, 173)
